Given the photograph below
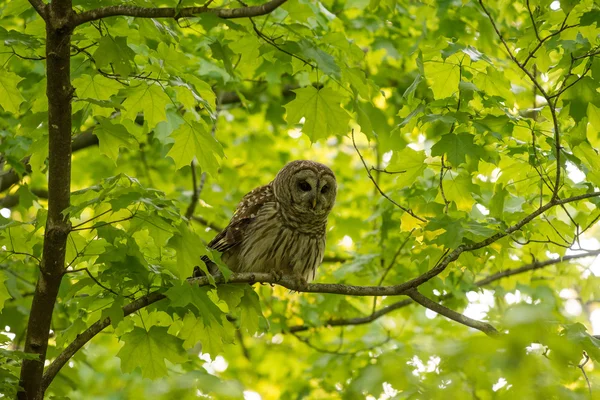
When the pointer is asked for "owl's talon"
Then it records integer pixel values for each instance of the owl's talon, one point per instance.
(277, 276)
(300, 282)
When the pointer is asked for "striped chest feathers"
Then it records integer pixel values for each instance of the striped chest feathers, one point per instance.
(273, 242)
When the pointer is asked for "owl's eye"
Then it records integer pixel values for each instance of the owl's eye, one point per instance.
(325, 189)
(304, 186)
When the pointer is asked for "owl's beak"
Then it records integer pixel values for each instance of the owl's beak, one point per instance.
(314, 202)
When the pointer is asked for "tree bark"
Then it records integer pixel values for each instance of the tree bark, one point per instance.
(59, 93)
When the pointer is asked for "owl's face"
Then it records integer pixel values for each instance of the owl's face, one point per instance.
(307, 186)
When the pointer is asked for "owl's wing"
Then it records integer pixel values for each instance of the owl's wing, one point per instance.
(246, 212)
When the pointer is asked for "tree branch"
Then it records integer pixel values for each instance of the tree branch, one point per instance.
(172, 12)
(483, 282)
(450, 314)
(39, 7)
(292, 284)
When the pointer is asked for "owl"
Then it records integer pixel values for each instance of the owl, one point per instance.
(280, 227)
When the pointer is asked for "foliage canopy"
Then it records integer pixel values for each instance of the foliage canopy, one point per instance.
(464, 136)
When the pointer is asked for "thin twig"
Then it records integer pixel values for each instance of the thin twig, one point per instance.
(537, 34)
(392, 263)
(446, 202)
(580, 366)
(92, 278)
(407, 210)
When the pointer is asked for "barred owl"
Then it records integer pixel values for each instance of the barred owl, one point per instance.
(280, 227)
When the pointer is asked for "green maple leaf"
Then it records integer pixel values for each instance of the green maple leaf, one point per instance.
(114, 312)
(111, 137)
(410, 161)
(250, 313)
(456, 147)
(231, 294)
(454, 231)
(184, 294)
(192, 139)
(189, 250)
(95, 87)
(114, 51)
(10, 96)
(324, 61)
(212, 336)
(443, 77)
(322, 112)
(148, 351)
(150, 99)
(593, 114)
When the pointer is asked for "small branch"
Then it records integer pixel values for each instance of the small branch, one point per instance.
(104, 223)
(272, 43)
(195, 194)
(392, 263)
(206, 223)
(172, 12)
(565, 88)
(385, 171)
(39, 7)
(338, 351)
(450, 314)
(586, 358)
(537, 34)
(92, 278)
(407, 210)
(357, 320)
(446, 202)
(533, 266)
(533, 79)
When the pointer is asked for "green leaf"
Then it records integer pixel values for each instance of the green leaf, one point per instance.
(444, 78)
(184, 293)
(593, 114)
(456, 147)
(10, 96)
(148, 350)
(113, 51)
(114, 312)
(410, 161)
(149, 99)
(325, 61)
(193, 140)
(111, 137)
(322, 112)
(189, 250)
(250, 311)
(95, 87)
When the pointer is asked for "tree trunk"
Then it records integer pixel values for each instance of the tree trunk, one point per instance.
(59, 93)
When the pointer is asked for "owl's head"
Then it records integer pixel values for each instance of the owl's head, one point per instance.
(306, 186)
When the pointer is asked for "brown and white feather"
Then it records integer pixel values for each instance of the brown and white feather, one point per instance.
(275, 228)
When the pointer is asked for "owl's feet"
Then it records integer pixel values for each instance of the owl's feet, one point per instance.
(277, 275)
(299, 282)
